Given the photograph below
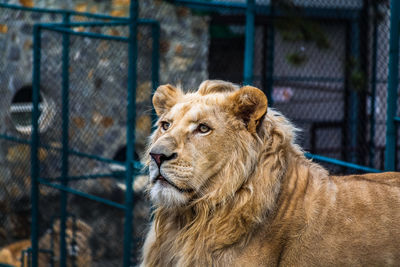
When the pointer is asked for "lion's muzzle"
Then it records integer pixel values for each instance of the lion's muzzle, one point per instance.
(160, 158)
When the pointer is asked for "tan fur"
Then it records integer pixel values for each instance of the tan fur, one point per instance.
(11, 254)
(252, 198)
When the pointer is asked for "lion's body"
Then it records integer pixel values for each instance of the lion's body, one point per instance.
(262, 203)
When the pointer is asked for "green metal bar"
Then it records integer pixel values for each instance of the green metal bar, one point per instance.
(89, 176)
(249, 43)
(101, 24)
(86, 24)
(270, 59)
(62, 11)
(354, 101)
(87, 34)
(94, 157)
(341, 163)
(212, 5)
(264, 9)
(35, 144)
(65, 144)
(27, 253)
(137, 165)
(396, 119)
(155, 65)
(390, 152)
(81, 194)
(308, 79)
(130, 130)
(14, 139)
(373, 86)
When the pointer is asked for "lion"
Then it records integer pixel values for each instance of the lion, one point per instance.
(231, 188)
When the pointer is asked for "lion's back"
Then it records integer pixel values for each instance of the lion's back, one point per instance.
(356, 222)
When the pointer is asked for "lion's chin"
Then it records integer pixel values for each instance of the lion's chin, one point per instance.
(162, 194)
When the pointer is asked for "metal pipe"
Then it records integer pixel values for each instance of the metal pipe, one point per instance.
(130, 131)
(101, 23)
(390, 151)
(155, 65)
(87, 34)
(341, 163)
(136, 164)
(373, 87)
(81, 194)
(270, 59)
(89, 176)
(354, 101)
(61, 11)
(249, 43)
(65, 144)
(264, 9)
(35, 144)
(86, 24)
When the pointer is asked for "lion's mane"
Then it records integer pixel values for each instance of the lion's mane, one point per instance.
(269, 205)
(226, 217)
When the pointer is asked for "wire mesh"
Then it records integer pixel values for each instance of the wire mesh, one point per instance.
(97, 126)
(97, 96)
(16, 48)
(325, 72)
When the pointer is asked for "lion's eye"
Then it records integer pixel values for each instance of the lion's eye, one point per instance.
(203, 128)
(165, 125)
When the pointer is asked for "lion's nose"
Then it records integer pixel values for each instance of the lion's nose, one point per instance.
(160, 158)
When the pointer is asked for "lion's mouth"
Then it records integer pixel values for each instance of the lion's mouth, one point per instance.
(166, 181)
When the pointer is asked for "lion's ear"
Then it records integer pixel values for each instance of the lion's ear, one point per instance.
(165, 97)
(250, 105)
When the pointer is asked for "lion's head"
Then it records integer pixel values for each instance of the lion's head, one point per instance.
(217, 161)
(201, 138)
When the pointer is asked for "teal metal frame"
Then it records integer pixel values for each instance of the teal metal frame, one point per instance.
(373, 86)
(354, 96)
(249, 43)
(391, 129)
(65, 143)
(132, 168)
(130, 131)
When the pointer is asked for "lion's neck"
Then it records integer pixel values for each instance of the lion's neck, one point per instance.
(202, 231)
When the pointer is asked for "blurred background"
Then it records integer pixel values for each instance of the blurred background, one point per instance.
(322, 63)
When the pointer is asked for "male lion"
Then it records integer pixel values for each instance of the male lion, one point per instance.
(231, 188)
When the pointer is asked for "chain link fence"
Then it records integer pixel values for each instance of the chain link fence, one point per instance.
(323, 64)
(98, 79)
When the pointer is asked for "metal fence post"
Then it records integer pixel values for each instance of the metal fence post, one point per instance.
(390, 151)
(65, 143)
(354, 101)
(373, 87)
(155, 64)
(130, 135)
(35, 144)
(249, 43)
(270, 57)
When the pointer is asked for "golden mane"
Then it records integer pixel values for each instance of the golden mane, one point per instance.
(213, 222)
(216, 86)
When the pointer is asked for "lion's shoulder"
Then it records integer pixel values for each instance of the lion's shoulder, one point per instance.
(390, 179)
